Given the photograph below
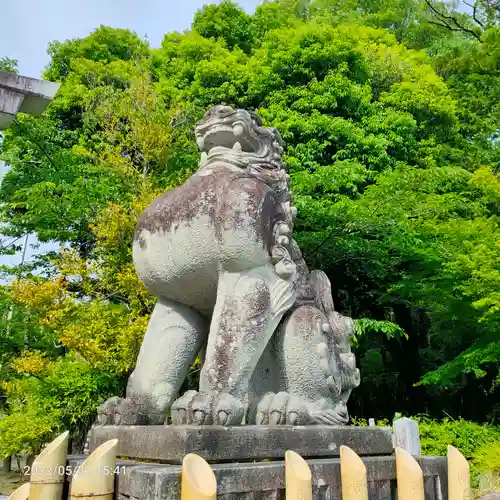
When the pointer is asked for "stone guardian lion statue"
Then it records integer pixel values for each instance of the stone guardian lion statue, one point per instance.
(232, 285)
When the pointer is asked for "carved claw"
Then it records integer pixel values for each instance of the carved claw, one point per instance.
(277, 409)
(200, 411)
(338, 416)
(207, 409)
(180, 408)
(262, 417)
(228, 411)
(283, 409)
(127, 411)
(105, 412)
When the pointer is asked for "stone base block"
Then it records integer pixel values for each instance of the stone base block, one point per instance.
(266, 480)
(172, 443)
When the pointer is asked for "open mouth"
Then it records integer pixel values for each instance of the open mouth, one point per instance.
(226, 137)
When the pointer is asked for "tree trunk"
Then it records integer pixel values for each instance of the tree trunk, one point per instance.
(5, 466)
(26, 470)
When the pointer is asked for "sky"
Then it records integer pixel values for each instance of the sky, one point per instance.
(28, 26)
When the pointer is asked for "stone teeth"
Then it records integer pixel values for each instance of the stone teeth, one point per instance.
(201, 143)
(237, 146)
(238, 130)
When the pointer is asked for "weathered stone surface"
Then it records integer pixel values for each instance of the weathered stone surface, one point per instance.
(214, 443)
(490, 496)
(407, 435)
(265, 480)
(22, 94)
(219, 253)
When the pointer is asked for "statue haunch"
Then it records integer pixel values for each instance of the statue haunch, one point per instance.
(232, 284)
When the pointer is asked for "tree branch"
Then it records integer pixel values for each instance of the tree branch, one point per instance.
(447, 26)
(444, 18)
(4, 244)
(40, 148)
(474, 12)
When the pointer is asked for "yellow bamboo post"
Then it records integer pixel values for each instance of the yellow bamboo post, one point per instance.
(353, 475)
(409, 477)
(95, 477)
(458, 476)
(49, 470)
(298, 477)
(22, 493)
(198, 479)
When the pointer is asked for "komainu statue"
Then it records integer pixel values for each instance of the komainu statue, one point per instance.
(233, 287)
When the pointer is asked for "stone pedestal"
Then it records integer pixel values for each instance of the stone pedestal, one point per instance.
(226, 444)
(248, 461)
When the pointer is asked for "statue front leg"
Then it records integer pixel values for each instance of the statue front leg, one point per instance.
(249, 307)
(173, 339)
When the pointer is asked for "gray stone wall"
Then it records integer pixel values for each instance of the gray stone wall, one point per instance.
(266, 480)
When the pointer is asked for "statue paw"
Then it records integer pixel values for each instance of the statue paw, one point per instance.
(126, 411)
(283, 409)
(207, 409)
(336, 416)
(106, 412)
(181, 408)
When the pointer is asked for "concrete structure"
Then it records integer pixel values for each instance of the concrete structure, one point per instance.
(20, 94)
(248, 461)
(170, 443)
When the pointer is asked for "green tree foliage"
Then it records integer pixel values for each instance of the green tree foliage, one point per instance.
(226, 22)
(472, 73)
(478, 443)
(49, 397)
(486, 466)
(9, 65)
(393, 159)
(105, 46)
